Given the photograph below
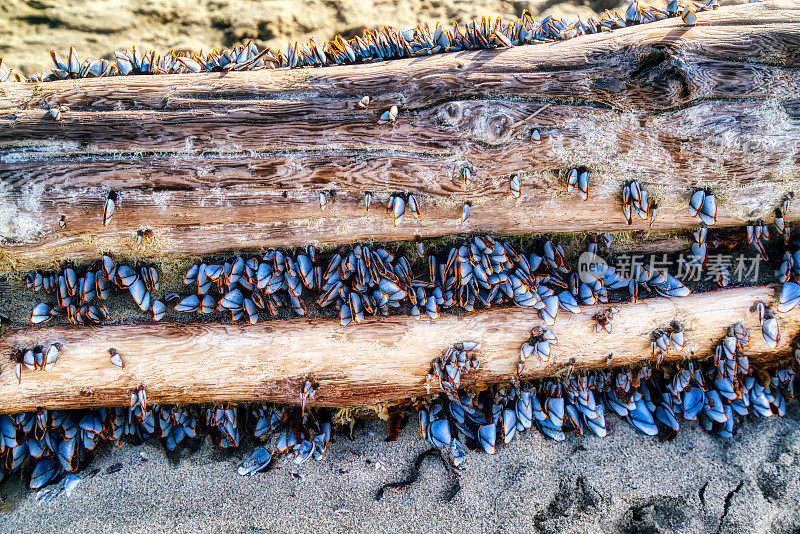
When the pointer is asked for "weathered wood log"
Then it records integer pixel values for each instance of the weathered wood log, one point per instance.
(380, 360)
(217, 162)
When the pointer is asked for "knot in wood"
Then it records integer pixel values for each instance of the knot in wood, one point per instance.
(451, 114)
(492, 127)
(661, 75)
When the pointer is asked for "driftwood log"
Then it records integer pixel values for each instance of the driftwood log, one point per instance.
(216, 162)
(380, 360)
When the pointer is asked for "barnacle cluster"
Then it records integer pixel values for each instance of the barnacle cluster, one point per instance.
(576, 179)
(76, 294)
(538, 345)
(635, 201)
(361, 280)
(379, 45)
(480, 272)
(703, 204)
(34, 359)
(455, 363)
(48, 443)
(45, 444)
(666, 341)
(719, 396)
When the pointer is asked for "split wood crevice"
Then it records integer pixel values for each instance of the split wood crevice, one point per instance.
(381, 360)
(213, 162)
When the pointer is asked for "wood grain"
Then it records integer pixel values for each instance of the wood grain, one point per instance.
(218, 162)
(377, 361)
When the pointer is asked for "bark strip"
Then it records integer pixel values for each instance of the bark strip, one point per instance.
(380, 360)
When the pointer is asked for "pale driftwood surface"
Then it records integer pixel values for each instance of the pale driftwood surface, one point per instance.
(380, 360)
(218, 162)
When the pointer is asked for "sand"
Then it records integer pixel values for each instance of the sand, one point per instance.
(622, 483)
